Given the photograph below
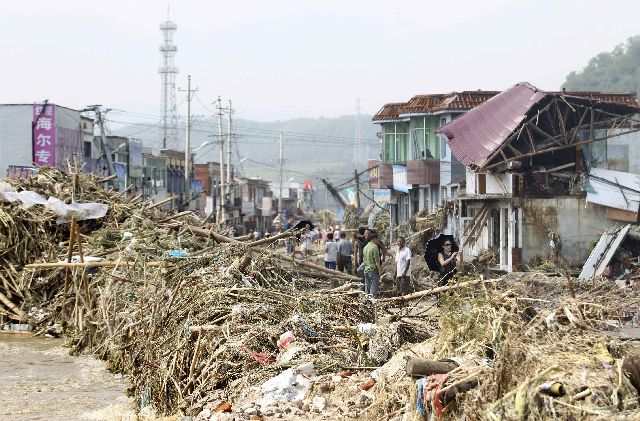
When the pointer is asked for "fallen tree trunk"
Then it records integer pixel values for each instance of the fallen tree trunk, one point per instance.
(438, 290)
(420, 367)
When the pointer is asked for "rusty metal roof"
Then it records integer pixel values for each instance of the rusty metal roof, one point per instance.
(474, 136)
(389, 111)
(424, 104)
(458, 101)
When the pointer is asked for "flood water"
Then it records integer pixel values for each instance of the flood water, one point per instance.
(39, 380)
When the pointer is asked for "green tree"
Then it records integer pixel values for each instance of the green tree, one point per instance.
(615, 71)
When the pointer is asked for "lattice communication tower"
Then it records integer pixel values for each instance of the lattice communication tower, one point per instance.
(168, 72)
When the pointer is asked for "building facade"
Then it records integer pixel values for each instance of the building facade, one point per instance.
(44, 134)
(416, 163)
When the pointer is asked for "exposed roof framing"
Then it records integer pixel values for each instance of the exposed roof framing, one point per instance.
(523, 122)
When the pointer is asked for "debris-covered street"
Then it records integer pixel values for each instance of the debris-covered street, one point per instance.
(229, 328)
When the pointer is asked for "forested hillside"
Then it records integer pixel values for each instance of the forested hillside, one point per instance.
(618, 70)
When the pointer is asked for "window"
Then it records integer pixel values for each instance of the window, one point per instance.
(87, 149)
(422, 135)
(395, 142)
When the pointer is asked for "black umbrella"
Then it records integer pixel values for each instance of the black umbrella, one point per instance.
(301, 224)
(434, 246)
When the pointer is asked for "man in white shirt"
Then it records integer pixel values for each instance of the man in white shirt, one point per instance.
(403, 267)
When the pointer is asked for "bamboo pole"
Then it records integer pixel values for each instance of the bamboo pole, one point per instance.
(14, 308)
(438, 290)
(162, 202)
(271, 239)
(73, 265)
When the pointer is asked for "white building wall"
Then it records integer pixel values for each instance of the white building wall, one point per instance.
(578, 223)
(470, 188)
(15, 136)
(498, 183)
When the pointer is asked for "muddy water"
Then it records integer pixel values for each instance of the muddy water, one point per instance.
(39, 380)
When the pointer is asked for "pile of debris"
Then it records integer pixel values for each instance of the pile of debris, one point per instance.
(216, 327)
(423, 226)
(34, 216)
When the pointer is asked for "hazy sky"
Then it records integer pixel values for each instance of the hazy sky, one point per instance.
(286, 59)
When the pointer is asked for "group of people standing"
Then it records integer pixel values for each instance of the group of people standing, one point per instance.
(365, 253)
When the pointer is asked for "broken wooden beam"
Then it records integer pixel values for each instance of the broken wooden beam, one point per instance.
(12, 307)
(73, 265)
(438, 290)
(223, 239)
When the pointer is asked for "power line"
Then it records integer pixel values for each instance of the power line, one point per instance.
(250, 129)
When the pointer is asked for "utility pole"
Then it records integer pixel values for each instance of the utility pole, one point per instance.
(229, 140)
(281, 161)
(221, 210)
(187, 143)
(357, 188)
(103, 137)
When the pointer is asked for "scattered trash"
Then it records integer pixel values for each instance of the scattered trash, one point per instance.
(290, 385)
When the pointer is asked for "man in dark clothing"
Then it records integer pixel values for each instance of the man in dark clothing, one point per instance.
(345, 254)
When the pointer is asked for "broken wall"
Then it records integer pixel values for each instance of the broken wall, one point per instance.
(578, 223)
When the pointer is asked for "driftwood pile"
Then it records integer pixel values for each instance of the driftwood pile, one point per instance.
(520, 348)
(28, 234)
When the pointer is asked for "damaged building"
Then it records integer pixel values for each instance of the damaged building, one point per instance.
(546, 173)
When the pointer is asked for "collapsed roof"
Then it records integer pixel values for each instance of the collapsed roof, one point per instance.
(524, 121)
(433, 104)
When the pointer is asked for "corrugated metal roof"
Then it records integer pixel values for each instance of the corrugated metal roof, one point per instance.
(474, 136)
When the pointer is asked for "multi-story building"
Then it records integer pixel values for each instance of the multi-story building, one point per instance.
(175, 173)
(256, 204)
(207, 179)
(416, 162)
(43, 134)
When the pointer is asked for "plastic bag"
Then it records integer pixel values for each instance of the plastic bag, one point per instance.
(82, 211)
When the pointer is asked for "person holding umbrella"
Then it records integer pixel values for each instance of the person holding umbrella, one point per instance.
(449, 261)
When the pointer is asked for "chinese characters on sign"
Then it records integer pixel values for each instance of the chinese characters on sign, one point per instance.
(44, 135)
